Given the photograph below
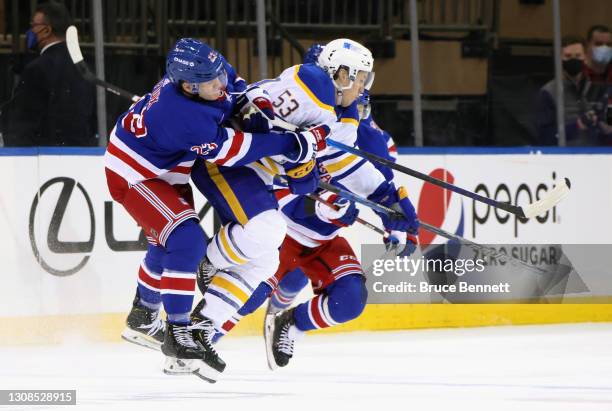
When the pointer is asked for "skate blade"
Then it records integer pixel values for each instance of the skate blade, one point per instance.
(137, 338)
(177, 366)
(268, 333)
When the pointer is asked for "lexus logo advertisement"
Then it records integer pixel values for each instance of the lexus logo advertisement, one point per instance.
(56, 245)
(63, 246)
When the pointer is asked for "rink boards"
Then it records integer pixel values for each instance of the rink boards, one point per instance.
(70, 255)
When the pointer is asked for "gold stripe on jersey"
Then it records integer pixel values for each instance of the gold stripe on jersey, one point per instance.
(341, 164)
(310, 94)
(226, 192)
(350, 121)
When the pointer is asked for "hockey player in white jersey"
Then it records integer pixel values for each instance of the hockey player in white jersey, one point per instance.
(303, 95)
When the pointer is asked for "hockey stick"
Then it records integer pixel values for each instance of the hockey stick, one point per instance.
(72, 42)
(552, 198)
(442, 233)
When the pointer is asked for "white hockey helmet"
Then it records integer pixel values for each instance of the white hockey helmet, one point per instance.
(350, 55)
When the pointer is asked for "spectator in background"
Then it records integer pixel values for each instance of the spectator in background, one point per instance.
(599, 54)
(583, 125)
(52, 104)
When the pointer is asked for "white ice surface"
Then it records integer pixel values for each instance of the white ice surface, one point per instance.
(559, 367)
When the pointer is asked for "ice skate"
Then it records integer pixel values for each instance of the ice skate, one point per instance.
(186, 356)
(144, 326)
(280, 334)
(203, 332)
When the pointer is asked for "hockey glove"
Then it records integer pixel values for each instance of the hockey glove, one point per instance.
(302, 178)
(257, 97)
(345, 214)
(255, 122)
(308, 143)
(405, 219)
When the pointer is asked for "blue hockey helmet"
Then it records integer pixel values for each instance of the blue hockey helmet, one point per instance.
(193, 61)
(312, 54)
(364, 100)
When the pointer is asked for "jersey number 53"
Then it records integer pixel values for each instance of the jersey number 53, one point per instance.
(285, 104)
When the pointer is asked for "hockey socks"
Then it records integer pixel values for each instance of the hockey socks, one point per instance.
(289, 287)
(342, 301)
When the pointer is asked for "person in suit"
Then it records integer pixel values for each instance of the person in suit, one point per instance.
(52, 104)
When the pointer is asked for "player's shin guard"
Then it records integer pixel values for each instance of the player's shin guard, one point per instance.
(184, 250)
(288, 288)
(342, 301)
(144, 325)
(149, 277)
(236, 245)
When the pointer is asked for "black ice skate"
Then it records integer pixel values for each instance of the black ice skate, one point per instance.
(280, 334)
(186, 356)
(144, 326)
(203, 332)
(206, 272)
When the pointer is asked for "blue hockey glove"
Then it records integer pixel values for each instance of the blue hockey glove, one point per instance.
(406, 219)
(345, 214)
(308, 143)
(254, 122)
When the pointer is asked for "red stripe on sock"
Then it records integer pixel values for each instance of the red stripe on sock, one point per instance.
(317, 315)
(179, 284)
(147, 279)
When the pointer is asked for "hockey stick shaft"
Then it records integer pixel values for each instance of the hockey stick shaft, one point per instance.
(536, 208)
(74, 49)
(442, 233)
(532, 210)
(111, 88)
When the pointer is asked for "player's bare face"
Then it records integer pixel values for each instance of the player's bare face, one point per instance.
(212, 90)
(349, 95)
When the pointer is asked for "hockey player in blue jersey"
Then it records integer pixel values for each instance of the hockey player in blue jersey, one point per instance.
(148, 164)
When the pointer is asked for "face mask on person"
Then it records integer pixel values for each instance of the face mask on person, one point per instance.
(31, 40)
(602, 55)
(572, 67)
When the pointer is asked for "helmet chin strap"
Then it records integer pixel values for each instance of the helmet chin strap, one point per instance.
(340, 90)
(339, 94)
(195, 88)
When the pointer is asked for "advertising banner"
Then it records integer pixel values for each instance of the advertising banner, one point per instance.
(68, 249)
